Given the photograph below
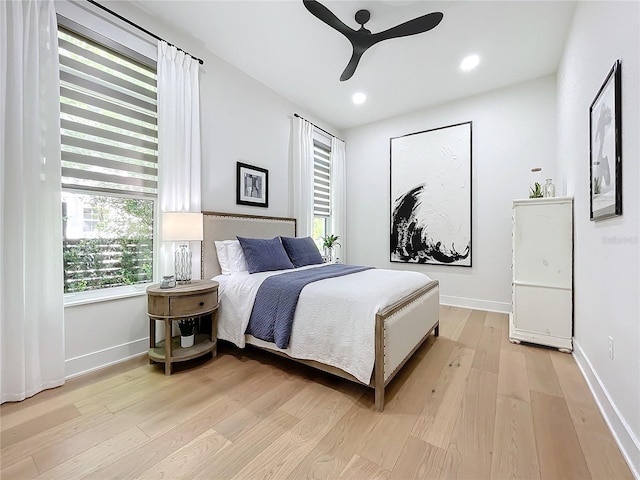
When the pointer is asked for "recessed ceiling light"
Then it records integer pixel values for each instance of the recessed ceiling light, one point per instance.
(359, 98)
(469, 63)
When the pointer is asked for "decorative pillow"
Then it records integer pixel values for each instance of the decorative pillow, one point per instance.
(230, 257)
(237, 261)
(223, 257)
(302, 251)
(264, 255)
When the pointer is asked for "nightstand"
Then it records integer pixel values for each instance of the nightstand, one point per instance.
(198, 299)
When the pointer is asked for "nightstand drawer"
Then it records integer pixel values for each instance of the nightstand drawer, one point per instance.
(192, 304)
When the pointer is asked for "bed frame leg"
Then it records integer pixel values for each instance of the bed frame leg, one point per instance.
(378, 369)
(379, 405)
(436, 331)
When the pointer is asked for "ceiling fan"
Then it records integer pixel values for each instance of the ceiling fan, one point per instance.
(362, 38)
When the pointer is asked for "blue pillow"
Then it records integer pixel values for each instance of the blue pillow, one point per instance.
(264, 255)
(302, 251)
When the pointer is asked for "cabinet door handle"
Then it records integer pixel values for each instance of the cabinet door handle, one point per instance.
(202, 304)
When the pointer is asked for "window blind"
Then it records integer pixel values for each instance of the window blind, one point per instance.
(321, 180)
(108, 119)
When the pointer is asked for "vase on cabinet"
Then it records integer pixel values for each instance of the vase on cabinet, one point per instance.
(548, 189)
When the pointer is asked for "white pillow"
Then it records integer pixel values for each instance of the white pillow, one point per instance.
(237, 260)
(223, 256)
(230, 257)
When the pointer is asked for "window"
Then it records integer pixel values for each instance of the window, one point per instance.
(321, 191)
(90, 219)
(109, 143)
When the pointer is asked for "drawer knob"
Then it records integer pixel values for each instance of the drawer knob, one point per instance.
(202, 304)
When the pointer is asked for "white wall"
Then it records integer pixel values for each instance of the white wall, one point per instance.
(607, 260)
(242, 120)
(513, 131)
(99, 334)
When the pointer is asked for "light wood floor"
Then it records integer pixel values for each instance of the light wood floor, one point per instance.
(468, 405)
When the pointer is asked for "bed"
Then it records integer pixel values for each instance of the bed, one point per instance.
(399, 325)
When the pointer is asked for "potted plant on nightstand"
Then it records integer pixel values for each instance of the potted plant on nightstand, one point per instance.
(329, 242)
(187, 329)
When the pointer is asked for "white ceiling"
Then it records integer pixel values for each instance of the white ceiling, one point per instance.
(280, 44)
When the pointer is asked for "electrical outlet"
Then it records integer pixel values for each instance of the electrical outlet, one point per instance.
(611, 348)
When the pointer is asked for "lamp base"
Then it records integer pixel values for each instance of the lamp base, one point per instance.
(183, 264)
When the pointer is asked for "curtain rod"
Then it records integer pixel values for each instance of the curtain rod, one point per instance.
(316, 126)
(93, 2)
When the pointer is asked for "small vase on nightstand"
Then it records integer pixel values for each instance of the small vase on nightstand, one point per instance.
(187, 341)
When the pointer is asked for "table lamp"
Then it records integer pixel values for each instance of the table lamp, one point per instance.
(182, 227)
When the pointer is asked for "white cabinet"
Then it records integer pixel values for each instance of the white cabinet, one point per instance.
(543, 272)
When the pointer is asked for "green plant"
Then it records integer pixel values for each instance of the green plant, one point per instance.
(187, 326)
(596, 186)
(329, 241)
(90, 264)
(535, 191)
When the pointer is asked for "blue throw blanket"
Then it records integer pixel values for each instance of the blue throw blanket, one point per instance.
(272, 315)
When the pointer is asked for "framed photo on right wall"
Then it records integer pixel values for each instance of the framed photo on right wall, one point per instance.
(605, 147)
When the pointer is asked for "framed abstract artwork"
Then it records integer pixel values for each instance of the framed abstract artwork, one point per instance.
(605, 147)
(252, 185)
(431, 196)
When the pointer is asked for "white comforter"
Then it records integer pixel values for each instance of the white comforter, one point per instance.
(334, 321)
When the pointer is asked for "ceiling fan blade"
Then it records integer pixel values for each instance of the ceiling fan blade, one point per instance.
(323, 13)
(412, 27)
(351, 66)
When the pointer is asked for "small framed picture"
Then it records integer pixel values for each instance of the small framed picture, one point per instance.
(605, 146)
(252, 185)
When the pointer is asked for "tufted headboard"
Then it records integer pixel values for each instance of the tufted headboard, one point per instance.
(225, 226)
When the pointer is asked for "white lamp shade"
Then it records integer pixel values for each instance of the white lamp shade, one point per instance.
(181, 226)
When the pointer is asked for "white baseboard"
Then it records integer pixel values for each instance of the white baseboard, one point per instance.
(104, 358)
(475, 304)
(622, 433)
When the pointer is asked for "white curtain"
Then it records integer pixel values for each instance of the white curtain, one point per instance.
(303, 176)
(339, 196)
(31, 274)
(179, 154)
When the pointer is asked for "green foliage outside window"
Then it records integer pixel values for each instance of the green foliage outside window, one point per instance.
(120, 254)
(319, 229)
(95, 263)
